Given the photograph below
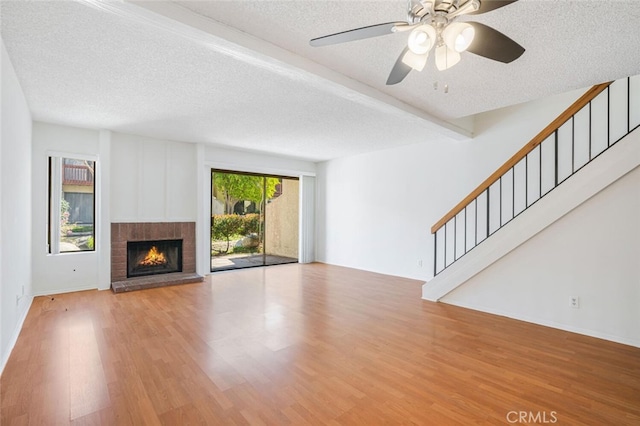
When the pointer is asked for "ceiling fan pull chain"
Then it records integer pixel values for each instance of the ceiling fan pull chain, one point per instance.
(446, 87)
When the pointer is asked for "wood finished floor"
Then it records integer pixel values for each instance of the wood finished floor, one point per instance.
(303, 344)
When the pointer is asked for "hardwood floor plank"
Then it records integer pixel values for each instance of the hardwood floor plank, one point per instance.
(303, 344)
(87, 382)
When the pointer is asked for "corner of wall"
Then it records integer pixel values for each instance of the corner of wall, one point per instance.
(13, 339)
(203, 266)
(15, 208)
(467, 123)
(103, 208)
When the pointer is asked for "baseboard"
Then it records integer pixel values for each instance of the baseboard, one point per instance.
(66, 290)
(551, 324)
(15, 334)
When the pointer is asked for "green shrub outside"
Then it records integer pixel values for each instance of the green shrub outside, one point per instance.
(250, 224)
(226, 226)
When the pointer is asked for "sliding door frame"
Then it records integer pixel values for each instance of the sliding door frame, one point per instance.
(263, 211)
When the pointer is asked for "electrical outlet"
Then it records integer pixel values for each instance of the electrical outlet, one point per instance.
(420, 263)
(575, 302)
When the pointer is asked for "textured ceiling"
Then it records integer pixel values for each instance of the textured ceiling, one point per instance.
(570, 44)
(258, 85)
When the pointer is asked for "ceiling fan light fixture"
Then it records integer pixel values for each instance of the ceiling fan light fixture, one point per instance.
(432, 25)
(417, 62)
(446, 57)
(458, 36)
(421, 39)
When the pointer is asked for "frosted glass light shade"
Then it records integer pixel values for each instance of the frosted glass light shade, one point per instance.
(458, 36)
(422, 39)
(446, 57)
(417, 62)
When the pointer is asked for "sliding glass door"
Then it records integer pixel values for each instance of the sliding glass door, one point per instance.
(254, 220)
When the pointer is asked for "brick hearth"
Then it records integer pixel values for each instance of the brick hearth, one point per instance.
(123, 232)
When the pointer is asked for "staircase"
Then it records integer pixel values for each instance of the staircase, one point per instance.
(567, 163)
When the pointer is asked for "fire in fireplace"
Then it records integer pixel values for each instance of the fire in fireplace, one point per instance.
(153, 257)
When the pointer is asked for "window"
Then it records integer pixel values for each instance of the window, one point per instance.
(71, 205)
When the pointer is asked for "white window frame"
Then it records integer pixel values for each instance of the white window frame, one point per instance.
(54, 192)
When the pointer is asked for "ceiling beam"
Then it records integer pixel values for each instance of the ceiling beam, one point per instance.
(256, 52)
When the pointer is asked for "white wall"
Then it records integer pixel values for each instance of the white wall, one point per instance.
(501, 133)
(155, 180)
(137, 180)
(307, 223)
(15, 209)
(591, 253)
(152, 180)
(244, 161)
(375, 210)
(64, 272)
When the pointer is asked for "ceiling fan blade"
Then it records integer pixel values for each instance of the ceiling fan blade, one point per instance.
(357, 34)
(400, 70)
(489, 5)
(493, 44)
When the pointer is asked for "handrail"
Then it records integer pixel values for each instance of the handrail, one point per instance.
(523, 152)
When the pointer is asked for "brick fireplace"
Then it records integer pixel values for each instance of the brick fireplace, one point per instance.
(153, 235)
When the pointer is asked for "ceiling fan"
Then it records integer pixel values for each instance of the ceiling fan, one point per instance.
(432, 25)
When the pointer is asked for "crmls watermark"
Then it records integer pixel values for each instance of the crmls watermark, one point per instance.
(528, 417)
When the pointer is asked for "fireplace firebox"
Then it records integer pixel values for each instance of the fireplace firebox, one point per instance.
(153, 257)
